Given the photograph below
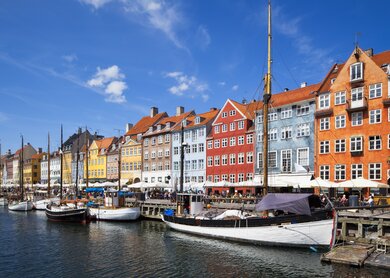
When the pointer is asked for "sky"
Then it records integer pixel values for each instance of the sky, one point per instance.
(103, 63)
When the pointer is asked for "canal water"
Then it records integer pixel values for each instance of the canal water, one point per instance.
(31, 246)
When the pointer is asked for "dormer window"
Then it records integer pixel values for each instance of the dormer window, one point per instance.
(184, 122)
(168, 125)
(139, 137)
(332, 80)
(128, 138)
(151, 129)
(158, 127)
(356, 71)
(197, 120)
(102, 151)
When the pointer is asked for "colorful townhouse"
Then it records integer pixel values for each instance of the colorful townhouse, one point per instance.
(8, 175)
(28, 151)
(113, 160)
(32, 168)
(353, 119)
(44, 168)
(97, 159)
(230, 146)
(55, 167)
(157, 148)
(290, 138)
(195, 130)
(131, 154)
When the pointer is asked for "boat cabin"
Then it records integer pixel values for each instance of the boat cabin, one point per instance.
(189, 203)
(112, 198)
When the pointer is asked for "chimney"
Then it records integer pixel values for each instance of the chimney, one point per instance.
(303, 84)
(253, 101)
(128, 127)
(39, 150)
(179, 110)
(9, 152)
(286, 89)
(213, 109)
(369, 52)
(244, 101)
(153, 111)
(79, 131)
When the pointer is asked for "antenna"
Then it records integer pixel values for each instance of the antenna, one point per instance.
(357, 35)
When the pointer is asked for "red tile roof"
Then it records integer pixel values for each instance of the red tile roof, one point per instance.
(142, 125)
(249, 109)
(293, 96)
(104, 143)
(204, 119)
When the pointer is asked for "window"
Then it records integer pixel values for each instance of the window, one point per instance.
(303, 156)
(232, 178)
(209, 161)
(194, 148)
(232, 158)
(339, 146)
(194, 135)
(232, 126)
(201, 133)
(176, 137)
(324, 123)
(375, 90)
(259, 119)
(324, 101)
(200, 164)
(224, 159)
(241, 125)
(216, 160)
(187, 149)
(286, 132)
(356, 171)
(167, 152)
(340, 98)
(160, 153)
(324, 172)
(357, 94)
(232, 112)
(187, 164)
(249, 176)
(388, 141)
(286, 160)
(224, 142)
(356, 71)
(224, 114)
(272, 159)
(209, 144)
(216, 129)
(303, 110)
(356, 144)
(249, 157)
(167, 138)
(375, 142)
(240, 140)
(273, 117)
(303, 130)
(216, 144)
(324, 147)
(375, 116)
(340, 121)
(286, 113)
(375, 171)
(201, 147)
(388, 113)
(153, 154)
(232, 141)
(194, 164)
(146, 155)
(240, 177)
(357, 118)
(167, 165)
(273, 134)
(216, 178)
(224, 127)
(241, 158)
(146, 142)
(249, 139)
(339, 172)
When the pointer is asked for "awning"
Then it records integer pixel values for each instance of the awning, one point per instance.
(291, 202)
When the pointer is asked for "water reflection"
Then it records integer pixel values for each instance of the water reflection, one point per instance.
(34, 247)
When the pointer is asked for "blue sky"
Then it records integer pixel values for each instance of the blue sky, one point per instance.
(104, 63)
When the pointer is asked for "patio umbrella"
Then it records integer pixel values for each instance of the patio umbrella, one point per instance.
(362, 183)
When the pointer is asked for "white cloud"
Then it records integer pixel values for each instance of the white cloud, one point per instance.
(110, 79)
(188, 85)
(222, 83)
(160, 15)
(235, 88)
(203, 37)
(70, 58)
(96, 3)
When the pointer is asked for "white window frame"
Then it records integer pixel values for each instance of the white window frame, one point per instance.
(376, 168)
(375, 116)
(303, 130)
(302, 110)
(324, 123)
(286, 132)
(324, 172)
(216, 129)
(241, 125)
(340, 121)
(375, 91)
(233, 125)
(374, 142)
(286, 158)
(286, 113)
(340, 98)
(357, 119)
(355, 69)
(340, 172)
(324, 101)
(324, 147)
(301, 160)
(339, 144)
(356, 171)
(354, 141)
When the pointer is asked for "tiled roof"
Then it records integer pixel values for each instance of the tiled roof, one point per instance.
(382, 58)
(105, 143)
(142, 125)
(204, 119)
(249, 109)
(295, 95)
(173, 119)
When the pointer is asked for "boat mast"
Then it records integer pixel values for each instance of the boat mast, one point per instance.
(77, 163)
(86, 157)
(61, 158)
(1, 168)
(119, 162)
(21, 169)
(181, 158)
(266, 99)
(48, 164)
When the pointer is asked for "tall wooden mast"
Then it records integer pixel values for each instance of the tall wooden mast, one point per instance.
(266, 99)
(86, 157)
(61, 161)
(21, 165)
(48, 165)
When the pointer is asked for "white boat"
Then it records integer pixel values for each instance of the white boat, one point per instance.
(21, 206)
(42, 204)
(115, 214)
(3, 201)
(114, 209)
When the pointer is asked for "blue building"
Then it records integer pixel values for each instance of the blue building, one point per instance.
(291, 138)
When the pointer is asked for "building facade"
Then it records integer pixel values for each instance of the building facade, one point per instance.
(97, 159)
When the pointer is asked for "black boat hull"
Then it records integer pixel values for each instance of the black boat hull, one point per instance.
(71, 215)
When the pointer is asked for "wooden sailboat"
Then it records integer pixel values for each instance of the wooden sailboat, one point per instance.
(3, 199)
(22, 204)
(42, 204)
(301, 227)
(66, 212)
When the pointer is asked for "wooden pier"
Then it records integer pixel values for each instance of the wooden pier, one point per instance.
(362, 237)
(152, 208)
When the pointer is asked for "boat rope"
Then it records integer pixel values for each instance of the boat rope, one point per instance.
(287, 228)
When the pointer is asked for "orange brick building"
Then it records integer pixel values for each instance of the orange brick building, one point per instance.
(352, 119)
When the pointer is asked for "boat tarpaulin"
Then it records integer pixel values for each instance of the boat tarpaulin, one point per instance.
(94, 189)
(291, 202)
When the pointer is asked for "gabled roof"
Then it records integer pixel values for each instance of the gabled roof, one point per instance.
(37, 155)
(293, 96)
(142, 125)
(175, 120)
(248, 109)
(104, 143)
(204, 119)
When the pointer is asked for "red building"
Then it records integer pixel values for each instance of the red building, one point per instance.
(230, 147)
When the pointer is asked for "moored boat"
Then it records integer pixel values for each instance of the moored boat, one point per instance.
(42, 204)
(65, 213)
(21, 206)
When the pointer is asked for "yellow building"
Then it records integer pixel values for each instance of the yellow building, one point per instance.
(67, 167)
(97, 160)
(32, 169)
(131, 161)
